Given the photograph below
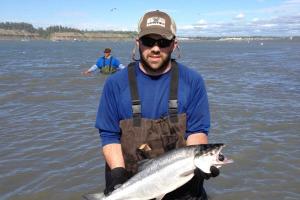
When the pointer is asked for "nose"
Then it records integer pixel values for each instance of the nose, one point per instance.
(155, 49)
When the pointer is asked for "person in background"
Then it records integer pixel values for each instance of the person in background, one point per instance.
(107, 64)
(153, 106)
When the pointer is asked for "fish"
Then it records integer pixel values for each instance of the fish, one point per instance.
(163, 174)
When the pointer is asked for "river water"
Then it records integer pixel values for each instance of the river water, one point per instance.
(51, 150)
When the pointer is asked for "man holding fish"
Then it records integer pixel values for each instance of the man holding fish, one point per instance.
(153, 106)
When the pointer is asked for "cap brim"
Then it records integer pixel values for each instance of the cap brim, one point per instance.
(164, 34)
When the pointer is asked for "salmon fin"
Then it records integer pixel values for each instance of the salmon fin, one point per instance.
(160, 197)
(188, 173)
(96, 196)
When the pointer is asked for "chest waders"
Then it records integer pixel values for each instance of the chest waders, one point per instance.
(148, 138)
(143, 138)
(107, 69)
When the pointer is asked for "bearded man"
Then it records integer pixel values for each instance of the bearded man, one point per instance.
(153, 106)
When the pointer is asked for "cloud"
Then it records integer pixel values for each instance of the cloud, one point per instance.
(187, 27)
(282, 20)
(202, 22)
(240, 16)
(287, 7)
(278, 26)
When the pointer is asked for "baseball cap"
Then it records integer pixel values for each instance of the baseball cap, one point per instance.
(157, 22)
(107, 50)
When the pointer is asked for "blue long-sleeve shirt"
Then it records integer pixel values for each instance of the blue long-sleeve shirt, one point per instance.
(110, 61)
(106, 62)
(115, 102)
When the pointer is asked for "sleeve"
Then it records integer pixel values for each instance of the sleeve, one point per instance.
(198, 115)
(107, 120)
(93, 68)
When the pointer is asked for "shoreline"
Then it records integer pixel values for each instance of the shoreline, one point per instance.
(110, 38)
(61, 36)
(27, 39)
(25, 32)
(123, 36)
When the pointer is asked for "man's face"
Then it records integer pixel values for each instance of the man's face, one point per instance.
(106, 54)
(155, 52)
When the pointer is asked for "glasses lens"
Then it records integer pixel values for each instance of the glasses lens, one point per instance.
(150, 42)
(162, 43)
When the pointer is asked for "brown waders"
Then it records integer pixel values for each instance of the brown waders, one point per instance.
(147, 138)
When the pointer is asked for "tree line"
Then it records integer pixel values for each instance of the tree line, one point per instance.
(45, 32)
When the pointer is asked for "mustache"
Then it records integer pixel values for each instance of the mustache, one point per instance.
(154, 53)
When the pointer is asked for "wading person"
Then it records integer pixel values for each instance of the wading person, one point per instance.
(152, 106)
(107, 64)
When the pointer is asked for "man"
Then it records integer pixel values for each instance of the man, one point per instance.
(107, 64)
(153, 106)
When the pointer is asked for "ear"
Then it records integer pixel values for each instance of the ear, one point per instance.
(137, 42)
(175, 44)
(134, 49)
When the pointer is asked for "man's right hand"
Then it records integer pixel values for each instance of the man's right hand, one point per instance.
(87, 73)
(118, 176)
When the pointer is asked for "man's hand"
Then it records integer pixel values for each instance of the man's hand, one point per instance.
(193, 189)
(86, 73)
(214, 172)
(119, 175)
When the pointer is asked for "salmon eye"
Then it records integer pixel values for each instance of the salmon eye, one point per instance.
(221, 157)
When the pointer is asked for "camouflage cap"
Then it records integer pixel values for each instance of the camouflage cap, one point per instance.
(157, 22)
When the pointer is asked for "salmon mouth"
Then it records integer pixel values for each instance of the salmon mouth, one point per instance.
(220, 159)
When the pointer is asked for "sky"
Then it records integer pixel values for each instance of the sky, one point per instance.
(192, 17)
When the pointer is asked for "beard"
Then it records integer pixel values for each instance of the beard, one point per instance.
(161, 68)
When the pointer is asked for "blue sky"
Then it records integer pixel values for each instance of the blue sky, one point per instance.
(193, 17)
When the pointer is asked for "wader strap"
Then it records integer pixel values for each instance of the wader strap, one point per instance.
(103, 65)
(173, 103)
(110, 60)
(136, 103)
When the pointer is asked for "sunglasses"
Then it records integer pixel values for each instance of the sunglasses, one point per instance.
(150, 42)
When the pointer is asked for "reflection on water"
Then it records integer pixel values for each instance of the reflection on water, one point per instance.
(51, 150)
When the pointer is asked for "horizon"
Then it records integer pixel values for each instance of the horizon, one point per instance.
(178, 36)
(207, 18)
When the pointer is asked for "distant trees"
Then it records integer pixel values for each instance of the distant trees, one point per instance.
(17, 26)
(55, 29)
(45, 33)
(29, 28)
